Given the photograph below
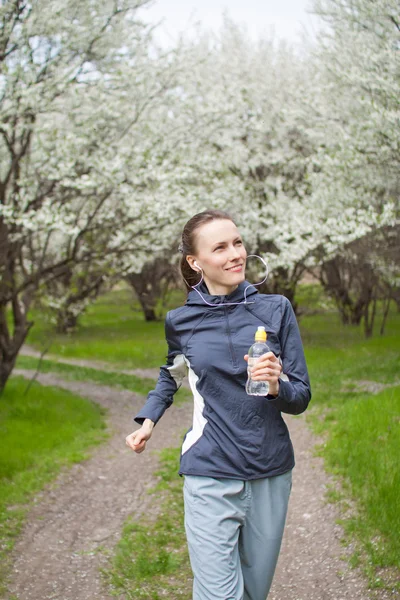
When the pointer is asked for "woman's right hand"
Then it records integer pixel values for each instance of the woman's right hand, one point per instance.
(136, 441)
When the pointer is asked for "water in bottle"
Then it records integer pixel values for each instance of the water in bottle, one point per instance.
(260, 347)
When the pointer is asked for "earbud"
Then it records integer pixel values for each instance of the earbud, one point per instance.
(196, 265)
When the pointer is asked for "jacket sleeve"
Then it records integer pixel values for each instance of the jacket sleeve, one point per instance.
(169, 379)
(295, 393)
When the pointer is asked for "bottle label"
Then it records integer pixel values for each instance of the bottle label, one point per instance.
(251, 361)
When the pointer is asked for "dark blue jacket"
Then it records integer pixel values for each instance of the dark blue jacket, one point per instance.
(233, 434)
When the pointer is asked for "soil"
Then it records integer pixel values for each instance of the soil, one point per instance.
(61, 549)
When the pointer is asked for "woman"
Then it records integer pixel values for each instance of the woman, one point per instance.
(237, 458)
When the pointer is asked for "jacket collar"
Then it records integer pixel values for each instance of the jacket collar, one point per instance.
(238, 295)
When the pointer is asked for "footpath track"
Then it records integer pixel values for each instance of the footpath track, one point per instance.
(60, 552)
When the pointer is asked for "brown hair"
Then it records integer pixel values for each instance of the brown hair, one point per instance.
(188, 244)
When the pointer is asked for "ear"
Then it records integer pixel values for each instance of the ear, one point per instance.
(193, 264)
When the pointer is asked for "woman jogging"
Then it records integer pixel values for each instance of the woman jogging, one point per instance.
(237, 458)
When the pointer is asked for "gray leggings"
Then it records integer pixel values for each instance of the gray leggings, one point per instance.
(234, 531)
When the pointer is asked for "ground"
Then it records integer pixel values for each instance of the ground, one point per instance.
(72, 523)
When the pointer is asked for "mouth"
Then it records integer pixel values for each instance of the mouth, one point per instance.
(235, 269)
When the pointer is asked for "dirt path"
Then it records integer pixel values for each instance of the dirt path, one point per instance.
(310, 565)
(91, 364)
(56, 555)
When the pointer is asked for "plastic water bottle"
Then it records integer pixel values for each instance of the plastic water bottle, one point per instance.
(260, 347)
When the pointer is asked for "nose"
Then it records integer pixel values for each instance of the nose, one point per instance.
(234, 254)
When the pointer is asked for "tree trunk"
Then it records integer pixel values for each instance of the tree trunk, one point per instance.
(282, 282)
(356, 314)
(11, 345)
(5, 372)
(351, 312)
(148, 311)
(66, 321)
(396, 298)
(147, 294)
(369, 319)
(349, 281)
(150, 285)
(385, 315)
(76, 288)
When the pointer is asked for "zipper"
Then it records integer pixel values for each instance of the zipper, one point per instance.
(228, 332)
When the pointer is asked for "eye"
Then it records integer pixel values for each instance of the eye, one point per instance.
(238, 242)
(218, 248)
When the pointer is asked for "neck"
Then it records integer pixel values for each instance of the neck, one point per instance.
(219, 290)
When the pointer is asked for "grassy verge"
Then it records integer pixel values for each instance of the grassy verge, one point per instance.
(151, 560)
(112, 330)
(109, 378)
(361, 434)
(75, 373)
(363, 448)
(40, 433)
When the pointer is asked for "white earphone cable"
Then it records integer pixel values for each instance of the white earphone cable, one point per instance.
(245, 301)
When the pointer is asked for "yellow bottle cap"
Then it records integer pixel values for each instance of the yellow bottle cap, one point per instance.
(261, 335)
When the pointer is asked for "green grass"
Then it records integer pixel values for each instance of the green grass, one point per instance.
(151, 560)
(363, 447)
(40, 432)
(72, 372)
(113, 330)
(339, 356)
(311, 299)
(359, 446)
(68, 372)
(361, 432)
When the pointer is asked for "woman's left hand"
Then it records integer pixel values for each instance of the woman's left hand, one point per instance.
(267, 368)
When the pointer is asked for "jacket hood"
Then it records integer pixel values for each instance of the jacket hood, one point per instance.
(238, 295)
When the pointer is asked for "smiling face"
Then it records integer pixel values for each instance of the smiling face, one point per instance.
(221, 255)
